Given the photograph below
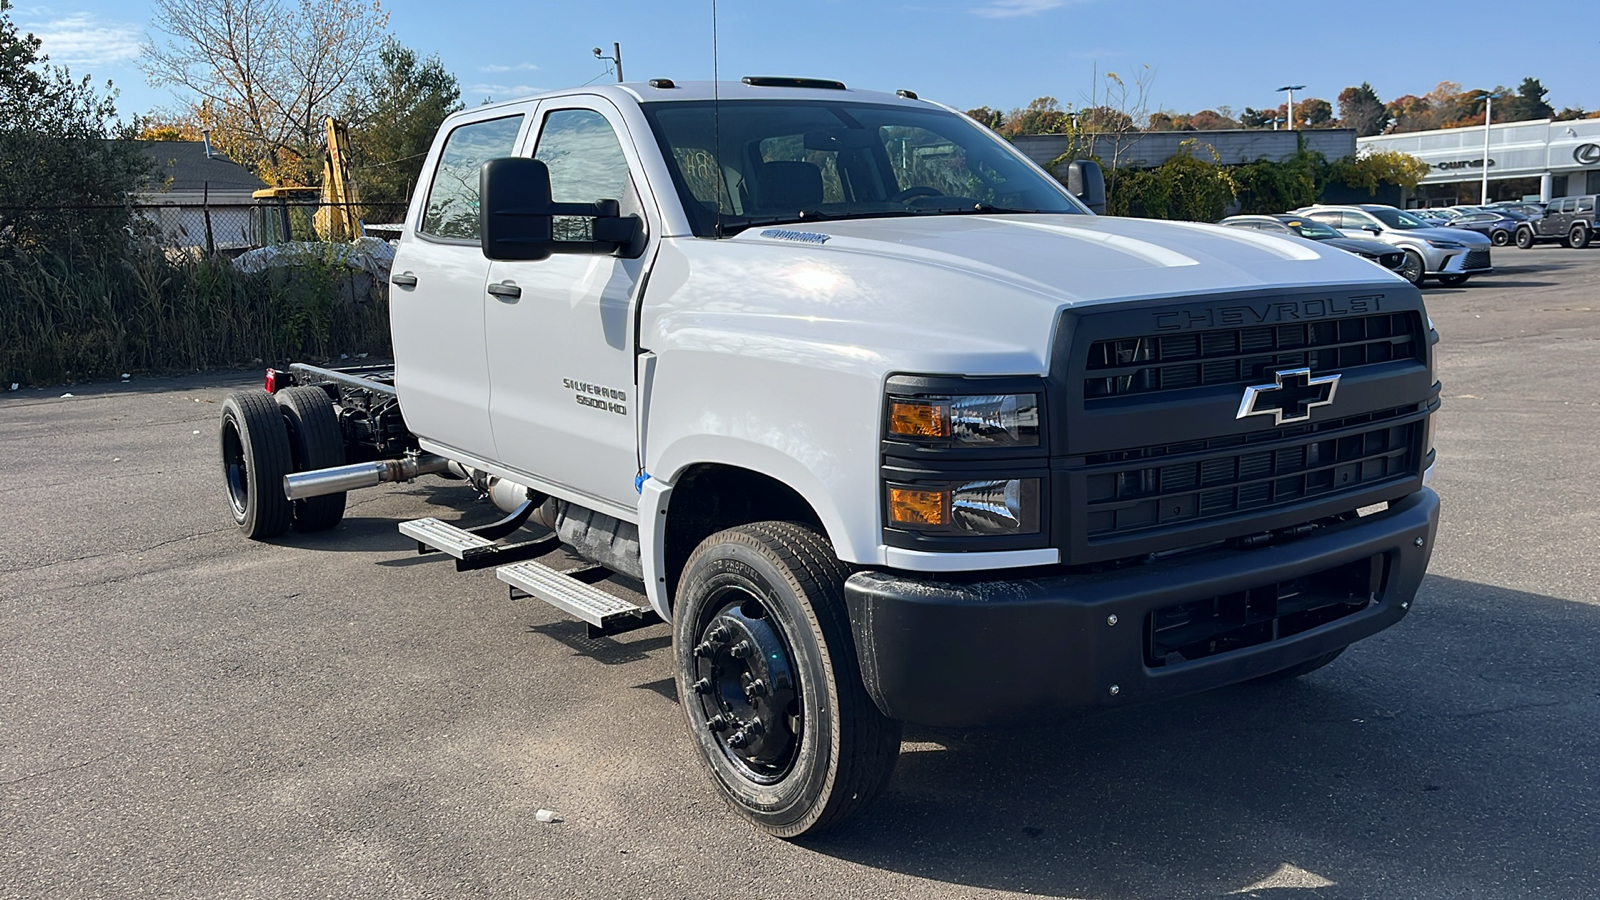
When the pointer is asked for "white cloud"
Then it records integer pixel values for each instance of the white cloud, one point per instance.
(1006, 9)
(81, 39)
(502, 91)
(519, 67)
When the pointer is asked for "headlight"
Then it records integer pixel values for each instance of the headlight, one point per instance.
(1446, 245)
(986, 507)
(985, 420)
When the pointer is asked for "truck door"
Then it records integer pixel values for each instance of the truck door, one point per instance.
(436, 296)
(559, 331)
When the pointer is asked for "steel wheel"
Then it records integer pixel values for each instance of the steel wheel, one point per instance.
(747, 689)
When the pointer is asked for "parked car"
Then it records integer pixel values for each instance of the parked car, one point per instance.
(1569, 220)
(1451, 255)
(1498, 225)
(1300, 226)
(1438, 217)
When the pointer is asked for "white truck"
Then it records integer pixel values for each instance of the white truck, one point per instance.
(881, 419)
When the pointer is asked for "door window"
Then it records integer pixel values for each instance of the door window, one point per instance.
(586, 164)
(452, 210)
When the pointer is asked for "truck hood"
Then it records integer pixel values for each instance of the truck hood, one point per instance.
(1080, 259)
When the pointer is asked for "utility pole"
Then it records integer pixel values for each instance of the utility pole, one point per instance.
(1291, 88)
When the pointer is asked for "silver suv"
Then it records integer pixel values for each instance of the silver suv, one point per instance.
(1451, 255)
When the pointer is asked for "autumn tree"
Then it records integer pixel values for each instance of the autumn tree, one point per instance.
(1361, 109)
(1411, 113)
(1043, 115)
(990, 118)
(1313, 113)
(1260, 118)
(263, 73)
(393, 114)
(1211, 120)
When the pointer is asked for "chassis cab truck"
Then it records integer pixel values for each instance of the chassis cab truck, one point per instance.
(880, 417)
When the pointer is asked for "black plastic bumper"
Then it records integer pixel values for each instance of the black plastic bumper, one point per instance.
(971, 652)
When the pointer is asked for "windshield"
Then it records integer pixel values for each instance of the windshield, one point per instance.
(1394, 218)
(1316, 231)
(794, 161)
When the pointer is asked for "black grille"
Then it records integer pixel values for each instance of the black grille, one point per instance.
(1183, 483)
(1144, 365)
(1476, 259)
(1210, 626)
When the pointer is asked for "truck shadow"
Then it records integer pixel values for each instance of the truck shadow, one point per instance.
(1446, 757)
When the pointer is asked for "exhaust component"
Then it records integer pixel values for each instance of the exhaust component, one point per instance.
(304, 485)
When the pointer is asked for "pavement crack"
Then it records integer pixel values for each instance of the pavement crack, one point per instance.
(55, 771)
(156, 546)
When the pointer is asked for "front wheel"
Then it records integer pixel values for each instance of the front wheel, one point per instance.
(1453, 280)
(1578, 237)
(770, 683)
(1500, 238)
(1413, 268)
(1524, 238)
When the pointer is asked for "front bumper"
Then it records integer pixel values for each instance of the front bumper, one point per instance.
(1473, 261)
(969, 652)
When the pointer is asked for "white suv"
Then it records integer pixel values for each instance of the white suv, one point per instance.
(1451, 255)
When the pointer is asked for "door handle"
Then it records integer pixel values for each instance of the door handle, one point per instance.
(505, 290)
(404, 279)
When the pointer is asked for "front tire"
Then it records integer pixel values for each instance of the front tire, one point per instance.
(770, 684)
(1524, 238)
(315, 442)
(1413, 269)
(255, 457)
(1500, 238)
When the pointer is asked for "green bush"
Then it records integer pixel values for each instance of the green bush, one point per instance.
(1183, 187)
(76, 319)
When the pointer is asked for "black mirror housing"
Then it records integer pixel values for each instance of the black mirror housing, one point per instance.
(514, 215)
(1087, 183)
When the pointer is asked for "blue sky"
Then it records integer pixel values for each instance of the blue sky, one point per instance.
(1000, 53)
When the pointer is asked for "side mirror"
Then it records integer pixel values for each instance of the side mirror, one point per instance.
(1087, 183)
(1372, 228)
(517, 220)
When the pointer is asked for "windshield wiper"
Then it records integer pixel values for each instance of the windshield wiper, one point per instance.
(975, 209)
(728, 229)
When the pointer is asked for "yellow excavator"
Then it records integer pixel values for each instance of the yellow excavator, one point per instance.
(286, 211)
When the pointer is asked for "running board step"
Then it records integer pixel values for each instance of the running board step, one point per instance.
(430, 533)
(604, 613)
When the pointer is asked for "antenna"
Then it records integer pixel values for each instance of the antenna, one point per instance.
(716, 125)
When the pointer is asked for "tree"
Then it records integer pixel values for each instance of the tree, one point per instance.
(1412, 113)
(392, 120)
(1211, 120)
(1313, 113)
(1258, 118)
(1374, 167)
(1360, 108)
(1529, 102)
(1042, 116)
(263, 74)
(990, 118)
(63, 182)
(1569, 113)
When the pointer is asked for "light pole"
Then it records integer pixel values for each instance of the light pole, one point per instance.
(615, 57)
(1488, 111)
(1291, 88)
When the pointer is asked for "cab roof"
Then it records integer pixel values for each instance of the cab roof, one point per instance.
(643, 92)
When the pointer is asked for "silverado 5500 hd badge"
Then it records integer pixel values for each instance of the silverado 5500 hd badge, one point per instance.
(597, 396)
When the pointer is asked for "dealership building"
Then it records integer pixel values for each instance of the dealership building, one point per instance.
(1527, 161)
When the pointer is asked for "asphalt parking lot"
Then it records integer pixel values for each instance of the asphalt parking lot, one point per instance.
(188, 714)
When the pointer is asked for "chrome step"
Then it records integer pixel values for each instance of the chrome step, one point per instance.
(431, 532)
(564, 592)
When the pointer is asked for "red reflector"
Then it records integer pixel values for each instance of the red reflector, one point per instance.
(272, 381)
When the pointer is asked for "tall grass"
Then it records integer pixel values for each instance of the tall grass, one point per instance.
(148, 310)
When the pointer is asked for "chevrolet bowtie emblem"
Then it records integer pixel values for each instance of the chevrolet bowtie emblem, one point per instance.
(1290, 398)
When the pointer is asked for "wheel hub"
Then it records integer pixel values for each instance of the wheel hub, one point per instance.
(747, 691)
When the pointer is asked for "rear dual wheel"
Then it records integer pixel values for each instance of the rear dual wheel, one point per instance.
(265, 438)
(770, 684)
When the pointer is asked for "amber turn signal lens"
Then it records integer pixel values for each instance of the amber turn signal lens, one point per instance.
(925, 420)
(911, 507)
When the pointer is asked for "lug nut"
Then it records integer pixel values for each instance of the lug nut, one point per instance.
(741, 650)
(703, 686)
(718, 723)
(737, 740)
(754, 728)
(754, 689)
(719, 634)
